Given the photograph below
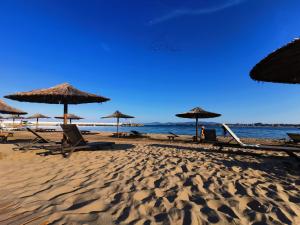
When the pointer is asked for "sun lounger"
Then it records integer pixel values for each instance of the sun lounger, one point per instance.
(172, 136)
(75, 141)
(289, 150)
(120, 134)
(4, 136)
(137, 134)
(210, 136)
(45, 130)
(295, 138)
(37, 142)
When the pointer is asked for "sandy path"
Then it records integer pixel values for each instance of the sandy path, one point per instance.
(144, 183)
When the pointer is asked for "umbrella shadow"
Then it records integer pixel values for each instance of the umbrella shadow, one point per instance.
(271, 164)
(119, 147)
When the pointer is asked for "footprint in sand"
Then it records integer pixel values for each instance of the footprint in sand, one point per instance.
(211, 214)
(124, 215)
(161, 217)
(197, 199)
(228, 211)
(294, 199)
(281, 216)
(257, 206)
(117, 198)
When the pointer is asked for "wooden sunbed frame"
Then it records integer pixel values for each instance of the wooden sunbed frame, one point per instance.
(135, 133)
(172, 136)
(75, 141)
(37, 142)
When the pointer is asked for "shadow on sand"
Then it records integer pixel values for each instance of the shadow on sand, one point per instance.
(115, 147)
(271, 164)
(18, 141)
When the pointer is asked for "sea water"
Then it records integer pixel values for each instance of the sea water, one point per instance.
(245, 132)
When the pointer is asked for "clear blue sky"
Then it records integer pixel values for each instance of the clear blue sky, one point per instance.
(153, 58)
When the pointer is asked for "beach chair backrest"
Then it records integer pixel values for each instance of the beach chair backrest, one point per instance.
(37, 135)
(210, 135)
(73, 134)
(135, 132)
(238, 140)
(175, 135)
(294, 137)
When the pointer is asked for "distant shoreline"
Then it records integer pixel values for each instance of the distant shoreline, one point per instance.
(233, 125)
(187, 124)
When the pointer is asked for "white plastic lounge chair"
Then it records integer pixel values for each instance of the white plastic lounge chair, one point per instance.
(289, 150)
(237, 139)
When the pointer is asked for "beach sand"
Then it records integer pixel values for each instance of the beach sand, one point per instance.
(148, 182)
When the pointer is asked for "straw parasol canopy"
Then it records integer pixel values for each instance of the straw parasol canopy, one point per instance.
(197, 113)
(16, 117)
(38, 116)
(6, 109)
(117, 114)
(70, 117)
(61, 94)
(281, 66)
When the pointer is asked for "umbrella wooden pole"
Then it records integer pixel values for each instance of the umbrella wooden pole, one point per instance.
(118, 119)
(65, 121)
(70, 121)
(65, 113)
(37, 123)
(197, 129)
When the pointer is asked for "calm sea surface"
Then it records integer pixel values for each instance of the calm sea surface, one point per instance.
(252, 132)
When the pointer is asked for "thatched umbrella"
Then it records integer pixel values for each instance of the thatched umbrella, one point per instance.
(198, 113)
(70, 117)
(61, 94)
(117, 114)
(38, 116)
(16, 117)
(6, 109)
(281, 66)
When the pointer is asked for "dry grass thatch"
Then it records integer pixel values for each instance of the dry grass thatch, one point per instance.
(118, 114)
(6, 109)
(38, 116)
(60, 94)
(281, 66)
(69, 116)
(198, 113)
